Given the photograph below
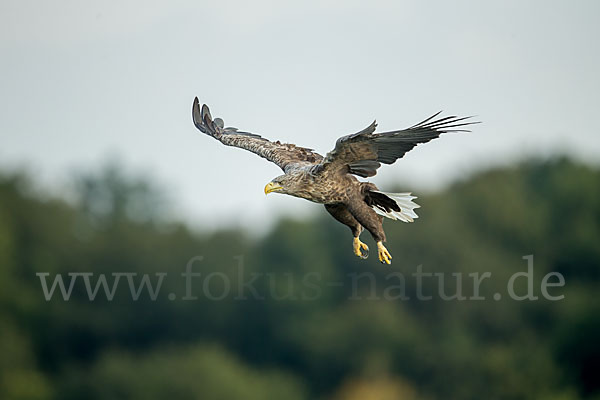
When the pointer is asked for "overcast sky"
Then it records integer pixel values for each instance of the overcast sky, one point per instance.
(82, 81)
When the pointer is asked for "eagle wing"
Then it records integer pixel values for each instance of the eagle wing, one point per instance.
(285, 155)
(363, 152)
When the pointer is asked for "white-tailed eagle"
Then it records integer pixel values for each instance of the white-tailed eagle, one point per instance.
(331, 180)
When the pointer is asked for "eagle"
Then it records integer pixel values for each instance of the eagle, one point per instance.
(331, 179)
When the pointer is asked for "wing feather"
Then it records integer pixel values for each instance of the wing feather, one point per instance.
(363, 153)
(285, 155)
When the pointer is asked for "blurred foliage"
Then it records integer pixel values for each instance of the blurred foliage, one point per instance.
(289, 334)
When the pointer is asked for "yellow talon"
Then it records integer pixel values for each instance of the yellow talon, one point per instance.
(359, 247)
(384, 256)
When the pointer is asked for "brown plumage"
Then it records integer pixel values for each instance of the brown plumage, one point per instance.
(331, 180)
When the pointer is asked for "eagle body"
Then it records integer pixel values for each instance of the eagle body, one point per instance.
(318, 187)
(331, 179)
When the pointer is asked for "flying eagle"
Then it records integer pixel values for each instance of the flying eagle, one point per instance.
(331, 180)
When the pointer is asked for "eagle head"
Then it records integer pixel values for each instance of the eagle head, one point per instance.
(285, 184)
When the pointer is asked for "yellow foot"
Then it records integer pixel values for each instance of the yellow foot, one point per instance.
(360, 249)
(384, 256)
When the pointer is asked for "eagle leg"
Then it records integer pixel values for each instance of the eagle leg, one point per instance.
(372, 222)
(384, 255)
(341, 213)
(360, 248)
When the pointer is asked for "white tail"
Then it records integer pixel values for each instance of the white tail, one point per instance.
(406, 204)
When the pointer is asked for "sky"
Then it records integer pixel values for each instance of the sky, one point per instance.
(86, 82)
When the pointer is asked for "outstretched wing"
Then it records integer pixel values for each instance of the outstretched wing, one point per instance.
(283, 154)
(363, 152)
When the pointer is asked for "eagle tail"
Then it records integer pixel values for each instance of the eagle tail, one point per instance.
(394, 205)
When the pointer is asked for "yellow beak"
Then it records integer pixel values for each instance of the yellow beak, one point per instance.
(271, 187)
